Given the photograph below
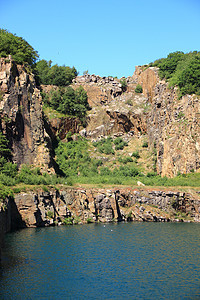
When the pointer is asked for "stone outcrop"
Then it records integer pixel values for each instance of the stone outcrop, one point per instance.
(114, 109)
(173, 125)
(100, 90)
(100, 205)
(21, 115)
(77, 206)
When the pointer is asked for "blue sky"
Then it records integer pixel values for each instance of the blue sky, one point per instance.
(107, 37)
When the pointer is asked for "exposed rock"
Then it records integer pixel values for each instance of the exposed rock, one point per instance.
(172, 125)
(47, 208)
(21, 115)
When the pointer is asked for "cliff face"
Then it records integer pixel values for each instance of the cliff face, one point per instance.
(21, 115)
(115, 109)
(173, 126)
(35, 209)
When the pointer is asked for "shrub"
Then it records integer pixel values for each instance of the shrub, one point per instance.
(145, 145)
(119, 143)
(123, 84)
(125, 159)
(138, 89)
(69, 101)
(105, 146)
(5, 192)
(68, 221)
(136, 154)
(50, 214)
(89, 220)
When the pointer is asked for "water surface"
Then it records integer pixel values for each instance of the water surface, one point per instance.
(96, 261)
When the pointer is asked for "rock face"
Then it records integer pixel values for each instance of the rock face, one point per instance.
(76, 205)
(100, 205)
(173, 125)
(21, 115)
(100, 90)
(115, 109)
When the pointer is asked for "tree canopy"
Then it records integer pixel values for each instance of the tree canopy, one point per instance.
(69, 101)
(182, 70)
(56, 75)
(17, 47)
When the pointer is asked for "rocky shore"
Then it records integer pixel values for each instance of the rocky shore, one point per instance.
(78, 206)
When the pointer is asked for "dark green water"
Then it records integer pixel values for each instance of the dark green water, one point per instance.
(112, 261)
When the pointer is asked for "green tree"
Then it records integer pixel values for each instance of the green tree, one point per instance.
(187, 75)
(182, 70)
(18, 48)
(168, 65)
(42, 71)
(56, 75)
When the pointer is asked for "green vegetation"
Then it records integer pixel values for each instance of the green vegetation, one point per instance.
(74, 160)
(182, 70)
(136, 154)
(124, 160)
(105, 146)
(68, 221)
(11, 176)
(56, 75)
(138, 89)
(68, 101)
(50, 214)
(20, 50)
(145, 144)
(124, 84)
(120, 143)
(89, 220)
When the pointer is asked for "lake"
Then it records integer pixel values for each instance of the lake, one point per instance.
(103, 261)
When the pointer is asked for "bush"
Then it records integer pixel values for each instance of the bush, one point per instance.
(124, 84)
(145, 145)
(5, 192)
(68, 221)
(69, 101)
(105, 146)
(136, 154)
(73, 158)
(119, 143)
(138, 89)
(89, 220)
(50, 214)
(125, 159)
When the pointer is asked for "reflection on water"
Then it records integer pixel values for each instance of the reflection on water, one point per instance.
(95, 261)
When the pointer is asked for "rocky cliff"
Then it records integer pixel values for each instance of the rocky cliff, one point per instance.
(115, 109)
(21, 118)
(173, 125)
(35, 209)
